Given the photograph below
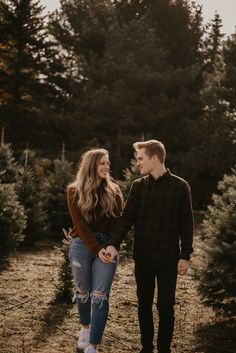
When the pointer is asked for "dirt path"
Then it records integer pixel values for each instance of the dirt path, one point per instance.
(31, 323)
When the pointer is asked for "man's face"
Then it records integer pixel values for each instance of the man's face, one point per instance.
(144, 163)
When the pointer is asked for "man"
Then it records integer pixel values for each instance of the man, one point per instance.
(159, 206)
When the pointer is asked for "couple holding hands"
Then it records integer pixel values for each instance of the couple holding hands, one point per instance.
(159, 207)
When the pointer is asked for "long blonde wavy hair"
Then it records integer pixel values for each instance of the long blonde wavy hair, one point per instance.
(92, 191)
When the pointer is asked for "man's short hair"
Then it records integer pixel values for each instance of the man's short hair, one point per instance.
(152, 147)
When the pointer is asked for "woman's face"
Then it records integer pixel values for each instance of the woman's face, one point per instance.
(103, 167)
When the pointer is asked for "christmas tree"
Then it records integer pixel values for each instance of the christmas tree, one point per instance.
(54, 196)
(8, 165)
(27, 189)
(218, 268)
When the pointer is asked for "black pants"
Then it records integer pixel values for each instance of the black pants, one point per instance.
(146, 278)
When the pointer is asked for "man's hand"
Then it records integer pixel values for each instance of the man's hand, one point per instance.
(104, 256)
(112, 252)
(183, 266)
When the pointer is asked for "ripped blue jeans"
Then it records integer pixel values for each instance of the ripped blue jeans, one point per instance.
(90, 276)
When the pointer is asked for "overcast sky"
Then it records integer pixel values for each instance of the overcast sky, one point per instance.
(225, 8)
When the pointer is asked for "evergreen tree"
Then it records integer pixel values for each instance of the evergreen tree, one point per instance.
(178, 25)
(229, 80)
(128, 84)
(214, 151)
(217, 272)
(54, 196)
(12, 221)
(65, 285)
(28, 193)
(214, 66)
(78, 30)
(25, 57)
(8, 166)
(130, 174)
(213, 44)
(125, 89)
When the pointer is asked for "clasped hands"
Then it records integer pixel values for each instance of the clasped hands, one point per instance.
(108, 255)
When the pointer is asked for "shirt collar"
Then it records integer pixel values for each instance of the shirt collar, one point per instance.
(161, 178)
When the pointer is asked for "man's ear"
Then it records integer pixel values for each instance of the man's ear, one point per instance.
(155, 158)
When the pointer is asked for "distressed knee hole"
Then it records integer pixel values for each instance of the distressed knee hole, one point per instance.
(99, 298)
(82, 296)
(98, 294)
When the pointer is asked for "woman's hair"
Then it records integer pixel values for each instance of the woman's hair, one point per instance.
(92, 191)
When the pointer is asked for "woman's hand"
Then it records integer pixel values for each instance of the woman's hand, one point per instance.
(104, 256)
(112, 252)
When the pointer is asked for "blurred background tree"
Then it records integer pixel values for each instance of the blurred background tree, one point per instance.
(27, 189)
(8, 165)
(53, 195)
(27, 69)
(128, 79)
(12, 221)
(217, 270)
(213, 151)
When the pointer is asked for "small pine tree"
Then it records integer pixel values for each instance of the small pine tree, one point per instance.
(12, 220)
(8, 165)
(218, 268)
(27, 190)
(54, 196)
(130, 174)
(64, 287)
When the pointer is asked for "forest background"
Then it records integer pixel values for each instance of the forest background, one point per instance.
(104, 73)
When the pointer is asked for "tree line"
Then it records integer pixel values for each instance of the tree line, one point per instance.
(109, 73)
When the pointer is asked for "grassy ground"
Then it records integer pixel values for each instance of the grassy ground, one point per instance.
(31, 322)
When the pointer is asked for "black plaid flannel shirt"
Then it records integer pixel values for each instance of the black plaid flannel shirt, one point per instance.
(161, 212)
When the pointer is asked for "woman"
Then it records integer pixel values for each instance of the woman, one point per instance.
(94, 202)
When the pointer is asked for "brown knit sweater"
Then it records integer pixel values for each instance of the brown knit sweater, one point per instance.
(85, 231)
